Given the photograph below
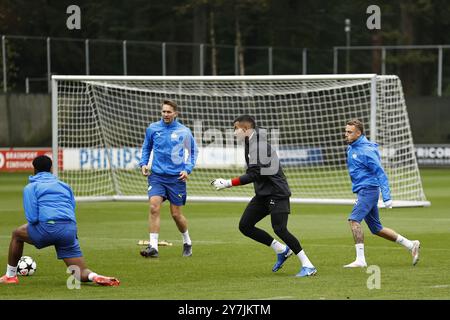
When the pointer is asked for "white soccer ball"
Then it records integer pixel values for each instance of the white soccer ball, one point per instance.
(27, 266)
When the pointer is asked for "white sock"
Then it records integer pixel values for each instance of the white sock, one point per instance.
(304, 259)
(186, 238)
(154, 240)
(11, 271)
(404, 242)
(360, 252)
(277, 246)
(91, 276)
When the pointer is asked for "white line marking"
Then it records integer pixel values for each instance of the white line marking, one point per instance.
(212, 242)
(441, 286)
(275, 298)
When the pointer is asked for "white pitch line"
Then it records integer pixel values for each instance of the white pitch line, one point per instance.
(441, 286)
(135, 240)
(275, 298)
(242, 242)
(375, 247)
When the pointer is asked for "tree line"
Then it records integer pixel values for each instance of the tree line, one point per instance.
(224, 24)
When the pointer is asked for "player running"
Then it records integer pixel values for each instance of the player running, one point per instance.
(49, 207)
(168, 139)
(368, 177)
(271, 195)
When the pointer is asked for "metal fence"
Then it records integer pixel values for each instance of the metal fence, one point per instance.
(430, 54)
(28, 62)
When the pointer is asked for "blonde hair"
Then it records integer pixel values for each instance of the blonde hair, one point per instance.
(357, 123)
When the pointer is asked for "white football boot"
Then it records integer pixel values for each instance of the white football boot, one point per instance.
(415, 251)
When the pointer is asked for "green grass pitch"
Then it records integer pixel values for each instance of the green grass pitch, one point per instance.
(227, 265)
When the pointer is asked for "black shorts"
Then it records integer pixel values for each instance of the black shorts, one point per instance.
(268, 205)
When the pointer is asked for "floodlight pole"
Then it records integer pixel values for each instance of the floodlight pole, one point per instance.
(49, 68)
(86, 55)
(163, 58)
(347, 33)
(124, 57)
(304, 61)
(439, 80)
(373, 108)
(5, 85)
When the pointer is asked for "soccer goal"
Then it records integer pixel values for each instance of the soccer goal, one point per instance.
(99, 124)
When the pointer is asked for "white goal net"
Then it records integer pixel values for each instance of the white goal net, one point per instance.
(99, 125)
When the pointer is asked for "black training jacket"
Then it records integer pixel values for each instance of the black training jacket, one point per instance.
(264, 168)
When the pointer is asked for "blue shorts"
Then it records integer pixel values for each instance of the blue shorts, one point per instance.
(366, 207)
(168, 187)
(61, 234)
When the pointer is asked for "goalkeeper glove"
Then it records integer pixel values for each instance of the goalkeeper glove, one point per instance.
(221, 183)
(388, 204)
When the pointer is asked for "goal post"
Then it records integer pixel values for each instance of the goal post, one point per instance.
(99, 124)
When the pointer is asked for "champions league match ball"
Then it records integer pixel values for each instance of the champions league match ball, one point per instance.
(26, 267)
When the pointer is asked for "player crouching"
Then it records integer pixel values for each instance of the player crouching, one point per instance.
(49, 207)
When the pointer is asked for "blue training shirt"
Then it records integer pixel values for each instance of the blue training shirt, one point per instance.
(46, 198)
(364, 166)
(168, 143)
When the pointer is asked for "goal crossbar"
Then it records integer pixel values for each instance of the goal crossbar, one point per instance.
(215, 78)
